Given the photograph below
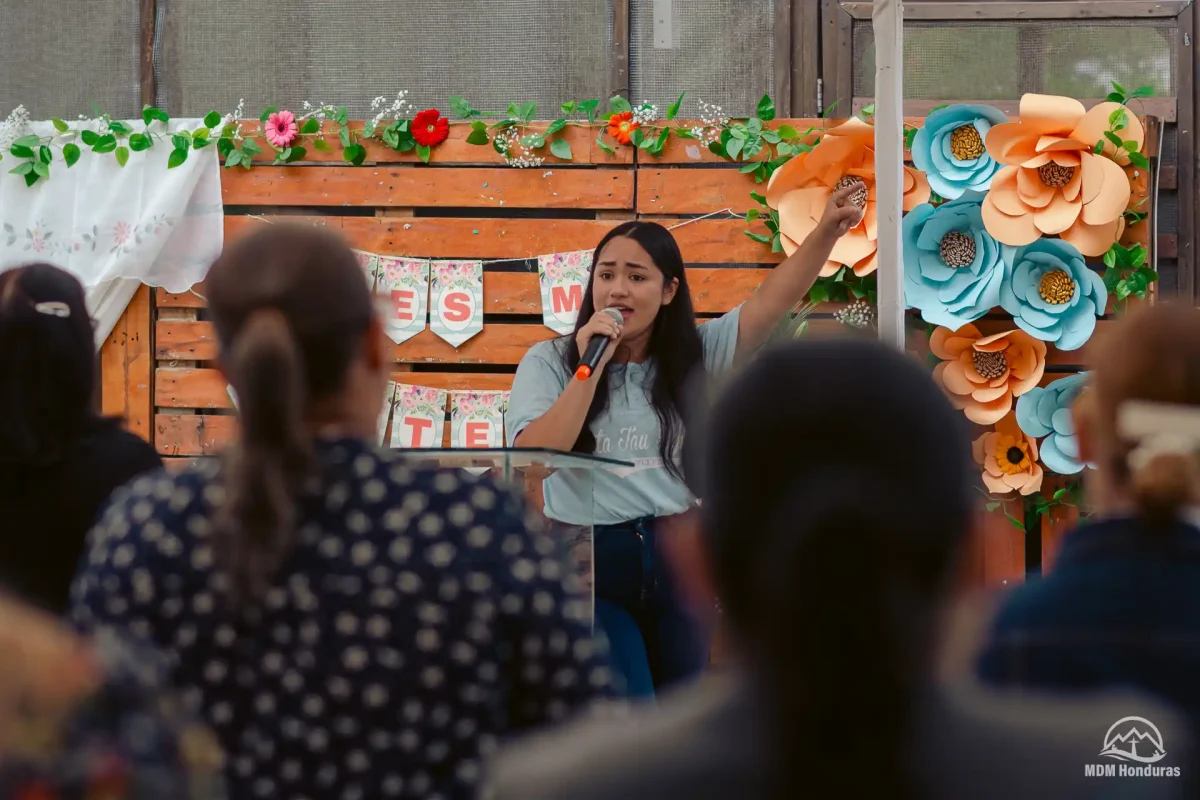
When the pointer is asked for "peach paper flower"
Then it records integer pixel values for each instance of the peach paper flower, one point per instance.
(281, 129)
(800, 189)
(1053, 182)
(1009, 459)
(982, 374)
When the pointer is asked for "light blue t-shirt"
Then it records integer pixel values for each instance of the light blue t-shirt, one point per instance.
(627, 430)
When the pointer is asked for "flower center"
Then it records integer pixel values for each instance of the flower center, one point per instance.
(859, 198)
(966, 143)
(1056, 287)
(1015, 455)
(429, 128)
(1055, 175)
(957, 249)
(989, 365)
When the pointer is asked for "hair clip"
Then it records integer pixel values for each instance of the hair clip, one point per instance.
(53, 309)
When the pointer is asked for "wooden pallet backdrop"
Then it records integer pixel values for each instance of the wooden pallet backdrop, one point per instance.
(158, 365)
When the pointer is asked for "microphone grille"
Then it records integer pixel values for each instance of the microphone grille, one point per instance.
(616, 315)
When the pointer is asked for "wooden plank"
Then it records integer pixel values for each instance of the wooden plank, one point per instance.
(618, 68)
(837, 56)
(784, 56)
(205, 388)
(147, 20)
(1042, 9)
(1057, 521)
(1189, 209)
(1003, 546)
(806, 64)
(1165, 108)
(455, 150)
(126, 367)
(1168, 177)
(479, 187)
(714, 291)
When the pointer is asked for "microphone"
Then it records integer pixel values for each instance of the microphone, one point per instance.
(595, 349)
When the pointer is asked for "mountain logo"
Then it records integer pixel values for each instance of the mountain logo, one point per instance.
(1134, 739)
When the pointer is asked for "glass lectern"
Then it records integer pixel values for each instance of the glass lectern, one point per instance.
(525, 468)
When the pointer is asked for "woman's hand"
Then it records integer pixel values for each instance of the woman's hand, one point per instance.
(601, 324)
(841, 213)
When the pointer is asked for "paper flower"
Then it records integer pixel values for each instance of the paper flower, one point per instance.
(429, 128)
(1053, 182)
(621, 126)
(950, 149)
(281, 129)
(982, 374)
(800, 189)
(1046, 412)
(1052, 295)
(953, 268)
(1009, 459)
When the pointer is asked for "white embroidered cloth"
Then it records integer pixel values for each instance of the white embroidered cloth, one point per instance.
(112, 226)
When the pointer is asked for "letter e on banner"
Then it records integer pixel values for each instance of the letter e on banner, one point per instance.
(479, 434)
(404, 284)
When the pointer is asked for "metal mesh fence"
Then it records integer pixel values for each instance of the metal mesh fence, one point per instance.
(63, 56)
(1003, 60)
(721, 51)
(211, 53)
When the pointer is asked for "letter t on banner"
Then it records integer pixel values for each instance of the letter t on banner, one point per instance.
(887, 20)
(456, 300)
(420, 417)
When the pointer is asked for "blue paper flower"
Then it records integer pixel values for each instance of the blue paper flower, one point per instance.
(953, 268)
(1046, 412)
(1052, 295)
(950, 149)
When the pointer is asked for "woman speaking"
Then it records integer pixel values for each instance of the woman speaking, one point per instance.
(630, 408)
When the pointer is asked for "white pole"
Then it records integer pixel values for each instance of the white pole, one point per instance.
(887, 20)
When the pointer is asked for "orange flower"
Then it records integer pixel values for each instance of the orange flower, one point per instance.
(1009, 459)
(1054, 183)
(982, 374)
(621, 126)
(800, 189)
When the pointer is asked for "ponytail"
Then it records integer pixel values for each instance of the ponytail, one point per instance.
(1164, 473)
(265, 470)
(842, 633)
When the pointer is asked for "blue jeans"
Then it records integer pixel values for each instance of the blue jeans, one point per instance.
(655, 640)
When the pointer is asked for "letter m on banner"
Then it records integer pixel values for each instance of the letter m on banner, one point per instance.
(562, 278)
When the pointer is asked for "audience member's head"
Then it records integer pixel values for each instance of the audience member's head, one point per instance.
(302, 347)
(836, 484)
(47, 365)
(1138, 421)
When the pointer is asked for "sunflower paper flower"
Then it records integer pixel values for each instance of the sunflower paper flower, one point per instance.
(950, 149)
(1009, 459)
(982, 374)
(1052, 295)
(1045, 413)
(953, 268)
(1053, 183)
(800, 189)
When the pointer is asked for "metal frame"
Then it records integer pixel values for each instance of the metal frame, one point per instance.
(1037, 9)
(1189, 210)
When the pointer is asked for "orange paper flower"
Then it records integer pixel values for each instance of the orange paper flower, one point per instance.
(982, 374)
(800, 189)
(621, 126)
(1009, 459)
(1054, 183)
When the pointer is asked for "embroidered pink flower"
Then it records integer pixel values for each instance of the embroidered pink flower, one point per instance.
(121, 232)
(281, 129)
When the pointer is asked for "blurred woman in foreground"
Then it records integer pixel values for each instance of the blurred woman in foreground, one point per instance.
(351, 625)
(1122, 604)
(834, 547)
(59, 459)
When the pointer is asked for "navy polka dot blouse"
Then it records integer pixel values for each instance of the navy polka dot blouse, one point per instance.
(418, 617)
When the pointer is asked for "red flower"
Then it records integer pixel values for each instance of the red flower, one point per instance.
(430, 128)
(621, 126)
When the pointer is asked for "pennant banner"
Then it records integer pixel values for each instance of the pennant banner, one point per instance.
(562, 278)
(405, 284)
(456, 300)
(370, 265)
(419, 418)
(477, 419)
(389, 394)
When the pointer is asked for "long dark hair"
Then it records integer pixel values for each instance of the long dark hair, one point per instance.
(674, 343)
(835, 513)
(47, 366)
(291, 307)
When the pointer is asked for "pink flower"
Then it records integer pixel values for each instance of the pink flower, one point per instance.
(487, 399)
(122, 232)
(281, 129)
(431, 395)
